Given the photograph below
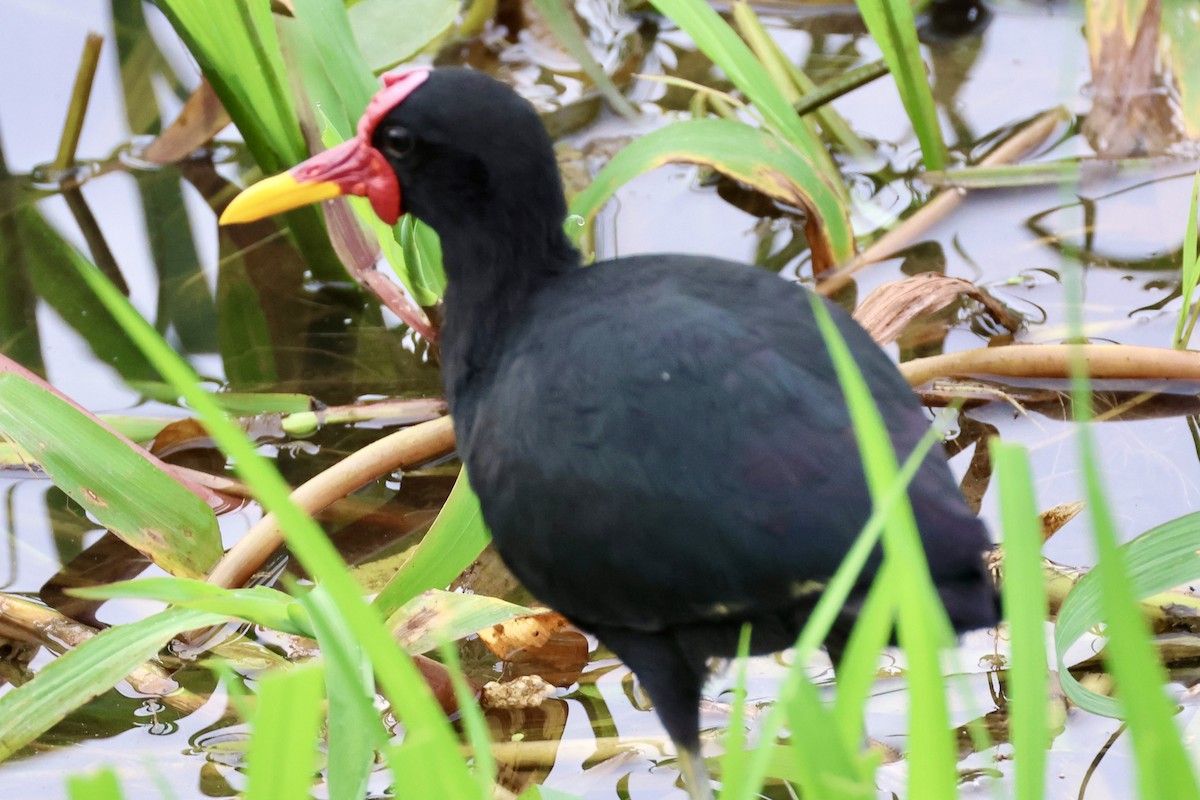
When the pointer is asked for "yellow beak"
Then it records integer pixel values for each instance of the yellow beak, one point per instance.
(275, 195)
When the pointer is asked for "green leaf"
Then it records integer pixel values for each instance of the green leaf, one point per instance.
(329, 29)
(428, 731)
(426, 277)
(92, 668)
(46, 261)
(922, 622)
(892, 26)
(118, 485)
(99, 785)
(1190, 273)
(390, 32)
(435, 616)
(827, 768)
(743, 153)
(355, 727)
(260, 605)
(1163, 765)
(282, 759)
(238, 51)
(1025, 609)
(1161, 558)
(473, 722)
(456, 538)
(720, 43)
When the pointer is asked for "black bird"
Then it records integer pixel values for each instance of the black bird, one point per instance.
(659, 443)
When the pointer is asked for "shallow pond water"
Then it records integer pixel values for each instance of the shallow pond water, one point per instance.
(325, 340)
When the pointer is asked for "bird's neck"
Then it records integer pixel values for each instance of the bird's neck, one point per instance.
(490, 282)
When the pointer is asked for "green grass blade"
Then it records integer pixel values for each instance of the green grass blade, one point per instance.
(1025, 610)
(456, 538)
(260, 605)
(428, 730)
(720, 43)
(472, 721)
(1190, 273)
(131, 495)
(1163, 765)
(827, 609)
(734, 761)
(892, 26)
(91, 669)
(239, 53)
(830, 769)
(859, 667)
(744, 154)
(328, 27)
(282, 758)
(46, 259)
(355, 728)
(99, 785)
(922, 622)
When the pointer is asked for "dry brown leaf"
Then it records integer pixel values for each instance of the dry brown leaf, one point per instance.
(1132, 112)
(201, 119)
(438, 678)
(545, 645)
(1053, 519)
(888, 310)
(522, 633)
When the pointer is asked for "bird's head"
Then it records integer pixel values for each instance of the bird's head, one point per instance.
(453, 147)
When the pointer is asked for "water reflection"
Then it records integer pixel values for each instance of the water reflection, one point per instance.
(248, 309)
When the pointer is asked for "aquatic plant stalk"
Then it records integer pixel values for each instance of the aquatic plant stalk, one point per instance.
(79, 101)
(1102, 361)
(410, 446)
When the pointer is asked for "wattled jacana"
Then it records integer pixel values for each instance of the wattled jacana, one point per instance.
(659, 443)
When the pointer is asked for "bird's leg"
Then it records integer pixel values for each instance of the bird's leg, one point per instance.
(673, 676)
(695, 774)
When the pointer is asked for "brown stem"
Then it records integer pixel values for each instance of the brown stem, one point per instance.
(403, 448)
(1103, 361)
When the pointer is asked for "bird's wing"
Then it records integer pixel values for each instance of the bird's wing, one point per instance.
(709, 473)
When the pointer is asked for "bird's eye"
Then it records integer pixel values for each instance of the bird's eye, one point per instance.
(398, 141)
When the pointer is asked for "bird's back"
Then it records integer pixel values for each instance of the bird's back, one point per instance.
(662, 442)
